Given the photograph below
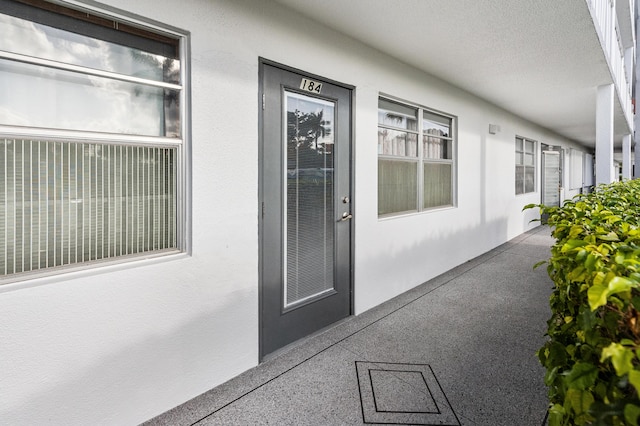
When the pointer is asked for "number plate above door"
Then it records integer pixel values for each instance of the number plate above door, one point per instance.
(310, 86)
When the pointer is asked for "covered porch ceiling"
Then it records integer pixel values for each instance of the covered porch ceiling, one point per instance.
(541, 60)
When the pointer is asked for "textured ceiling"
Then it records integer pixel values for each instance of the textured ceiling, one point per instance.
(539, 59)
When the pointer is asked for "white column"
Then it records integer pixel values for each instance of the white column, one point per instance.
(626, 157)
(604, 134)
(628, 64)
(636, 169)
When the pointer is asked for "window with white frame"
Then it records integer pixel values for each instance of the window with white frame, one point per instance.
(525, 165)
(415, 158)
(92, 138)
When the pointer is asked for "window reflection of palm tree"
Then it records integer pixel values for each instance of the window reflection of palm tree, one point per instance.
(304, 130)
(166, 69)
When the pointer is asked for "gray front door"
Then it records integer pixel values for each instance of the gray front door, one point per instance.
(306, 226)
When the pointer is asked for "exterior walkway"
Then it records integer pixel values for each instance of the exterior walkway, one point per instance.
(457, 350)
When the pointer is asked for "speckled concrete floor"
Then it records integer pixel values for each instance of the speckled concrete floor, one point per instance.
(457, 350)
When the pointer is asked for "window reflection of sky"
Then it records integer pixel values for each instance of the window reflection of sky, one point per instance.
(305, 105)
(436, 124)
(33, 39)
(397, 119)
(397, 115)
(435, 128)
(40, 97)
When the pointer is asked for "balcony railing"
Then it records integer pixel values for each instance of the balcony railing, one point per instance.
(604, 16)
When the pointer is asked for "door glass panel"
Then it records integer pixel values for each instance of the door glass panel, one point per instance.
(309, 208)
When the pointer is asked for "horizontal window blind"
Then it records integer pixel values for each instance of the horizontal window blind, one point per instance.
(437, 185)
(63, 203)
(397, 186)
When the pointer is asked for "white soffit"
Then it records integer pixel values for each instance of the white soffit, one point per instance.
(538, 59)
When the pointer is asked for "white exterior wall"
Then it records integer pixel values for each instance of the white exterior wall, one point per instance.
(121, 345)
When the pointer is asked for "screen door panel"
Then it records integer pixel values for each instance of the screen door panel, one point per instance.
(551, 178)
(309, 226)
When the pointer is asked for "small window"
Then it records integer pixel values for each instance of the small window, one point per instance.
(415, 158)
(91, 139)
(525, 165)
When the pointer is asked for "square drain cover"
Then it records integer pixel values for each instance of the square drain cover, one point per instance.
(402, 394)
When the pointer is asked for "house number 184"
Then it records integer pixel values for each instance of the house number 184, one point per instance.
(310, 86)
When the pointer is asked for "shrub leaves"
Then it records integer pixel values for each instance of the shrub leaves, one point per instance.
(592, 356)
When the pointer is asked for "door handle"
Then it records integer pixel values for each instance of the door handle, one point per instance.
(345, 216)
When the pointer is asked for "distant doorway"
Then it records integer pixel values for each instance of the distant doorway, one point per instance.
(551, 178)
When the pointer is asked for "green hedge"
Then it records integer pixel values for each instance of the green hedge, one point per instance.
(592, 356)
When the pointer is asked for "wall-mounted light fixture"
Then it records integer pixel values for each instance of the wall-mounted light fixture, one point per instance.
(494, 128)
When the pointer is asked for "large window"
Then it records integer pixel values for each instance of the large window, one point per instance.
(92, 128)
(525, 165)
(415, 158)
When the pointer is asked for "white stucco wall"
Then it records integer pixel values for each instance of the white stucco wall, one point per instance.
(121, 345)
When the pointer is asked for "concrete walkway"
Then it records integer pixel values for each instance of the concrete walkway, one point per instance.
(457, 350)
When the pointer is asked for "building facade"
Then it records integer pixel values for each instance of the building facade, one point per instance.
(189, 187)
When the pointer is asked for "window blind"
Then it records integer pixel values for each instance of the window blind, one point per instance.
(62, 203)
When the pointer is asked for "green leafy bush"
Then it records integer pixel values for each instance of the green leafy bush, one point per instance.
(592, 356)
